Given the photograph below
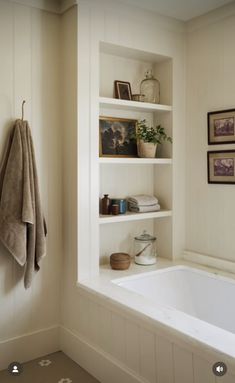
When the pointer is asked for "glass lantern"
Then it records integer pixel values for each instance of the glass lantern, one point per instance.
(150, 88)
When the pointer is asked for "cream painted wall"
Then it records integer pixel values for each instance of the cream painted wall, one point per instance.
(30, 70)
(69, 105)
(210, 209)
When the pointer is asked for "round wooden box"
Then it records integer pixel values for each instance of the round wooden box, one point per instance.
(120, 261)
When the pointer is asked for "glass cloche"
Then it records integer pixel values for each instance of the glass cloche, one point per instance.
(150, 88)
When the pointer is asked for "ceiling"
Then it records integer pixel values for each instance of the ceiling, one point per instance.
(184, 10)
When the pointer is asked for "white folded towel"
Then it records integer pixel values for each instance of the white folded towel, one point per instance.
(143, 200)
(144, 209)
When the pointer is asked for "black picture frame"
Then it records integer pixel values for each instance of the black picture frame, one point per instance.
(221, 127)
(221, 167)
(122, 90)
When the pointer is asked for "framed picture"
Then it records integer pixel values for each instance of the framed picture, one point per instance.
(122, 90)
(117, 137)
(221, 127)
(221, 167)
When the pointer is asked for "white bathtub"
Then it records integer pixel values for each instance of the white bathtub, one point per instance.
(193, 301)
(180, 316)
(203, 295)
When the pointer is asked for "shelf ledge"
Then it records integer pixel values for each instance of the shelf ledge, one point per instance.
(129, 216)
(135, 161)
(114, 103)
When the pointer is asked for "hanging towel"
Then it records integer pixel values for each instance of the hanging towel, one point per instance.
(22, 225)
(143, 200)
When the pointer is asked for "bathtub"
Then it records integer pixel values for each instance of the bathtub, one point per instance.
(193, 301)
(168, 323)
(197, 293)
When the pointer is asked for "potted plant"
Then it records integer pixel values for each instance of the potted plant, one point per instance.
(148, 137)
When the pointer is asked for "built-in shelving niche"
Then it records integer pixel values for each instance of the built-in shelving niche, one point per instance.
(121, 177)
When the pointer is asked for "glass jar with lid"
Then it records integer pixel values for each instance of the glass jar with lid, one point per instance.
(145, 249)
(150, 88)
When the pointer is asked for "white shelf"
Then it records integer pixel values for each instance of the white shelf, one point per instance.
(135, 161)
(129, 216)
(114, 103)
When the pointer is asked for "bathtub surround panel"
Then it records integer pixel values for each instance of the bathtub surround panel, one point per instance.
(210, 209)
(30, 70)
(158, 355)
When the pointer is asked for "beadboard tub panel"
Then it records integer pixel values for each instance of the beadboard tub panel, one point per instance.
(139, 349)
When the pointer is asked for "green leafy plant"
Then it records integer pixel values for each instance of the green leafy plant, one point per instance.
(156, 135)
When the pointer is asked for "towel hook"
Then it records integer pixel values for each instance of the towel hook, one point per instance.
(23, 109)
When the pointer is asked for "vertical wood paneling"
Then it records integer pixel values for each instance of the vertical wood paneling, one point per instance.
(6, 96)
(104, 324)
(41, 148)
(83, 316)
(183, 365)
(30, 70)
(22, 91)
(22, 59)
(84, 136)
(118, 337)
(94, 313)
(96, 29)
(202, 371)
(50, 156)
(147, 355)
(133, 346)
(164, 361)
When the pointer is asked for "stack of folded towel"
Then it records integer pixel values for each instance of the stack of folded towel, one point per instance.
(143, 203)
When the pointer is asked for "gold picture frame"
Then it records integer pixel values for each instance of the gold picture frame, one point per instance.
(117, 137)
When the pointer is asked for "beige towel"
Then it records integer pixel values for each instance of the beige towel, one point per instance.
(22, 226)
(144, 209)
(143, 200)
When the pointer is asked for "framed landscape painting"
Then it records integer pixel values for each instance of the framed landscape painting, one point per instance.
(117, 137)
(221, 127)
(221, 167)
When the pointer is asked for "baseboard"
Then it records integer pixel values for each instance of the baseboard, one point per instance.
(29, 346)
(98, 363)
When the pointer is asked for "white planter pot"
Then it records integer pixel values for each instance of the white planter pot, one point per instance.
(146, 149)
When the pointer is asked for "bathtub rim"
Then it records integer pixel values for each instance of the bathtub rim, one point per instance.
(196, 269)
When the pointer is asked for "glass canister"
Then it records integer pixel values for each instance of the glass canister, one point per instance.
(150, 88)
(145, 249)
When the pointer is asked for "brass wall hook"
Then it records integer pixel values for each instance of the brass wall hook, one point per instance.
(23, 110)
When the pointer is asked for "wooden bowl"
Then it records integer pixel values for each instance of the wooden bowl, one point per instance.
(120, 261)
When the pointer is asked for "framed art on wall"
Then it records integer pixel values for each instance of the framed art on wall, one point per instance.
(117, 137)
(221, 167)
(221, 127)
(122, 90)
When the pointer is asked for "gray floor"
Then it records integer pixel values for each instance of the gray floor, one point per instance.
(53, 368)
